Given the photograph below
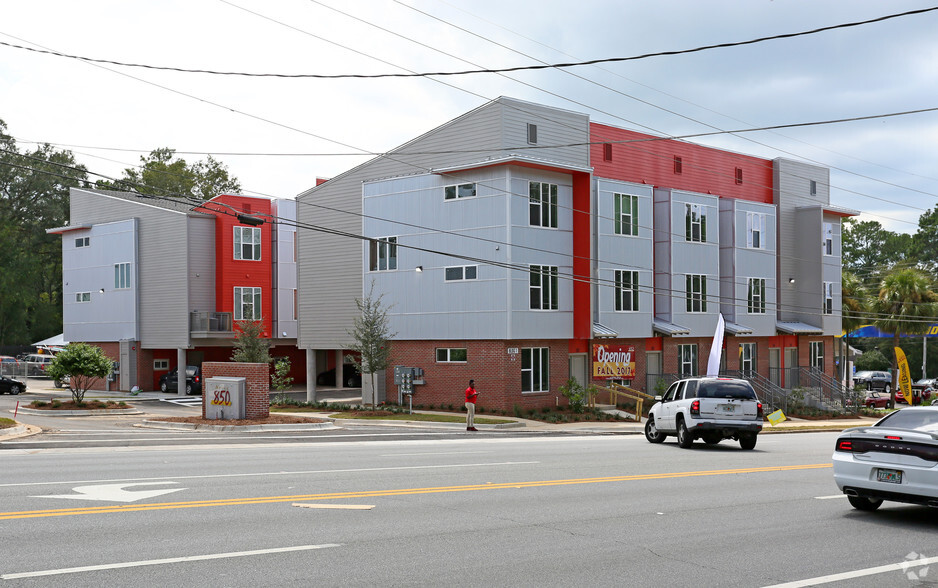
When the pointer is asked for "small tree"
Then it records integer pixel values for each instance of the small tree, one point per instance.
(575, 394)
(280, 380)
(372, 338)
(83, 364)
(249, 346)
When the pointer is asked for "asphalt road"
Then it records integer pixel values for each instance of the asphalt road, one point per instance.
(459, 511)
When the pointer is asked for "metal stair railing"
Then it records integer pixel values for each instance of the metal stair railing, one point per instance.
(768, 392)
(826, 391)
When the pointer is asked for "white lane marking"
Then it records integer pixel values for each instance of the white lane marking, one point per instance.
(435, 453)
(335, 506)
(903, 566)
(169, 560)
(831, 497)
(115, 492)
(280, 473)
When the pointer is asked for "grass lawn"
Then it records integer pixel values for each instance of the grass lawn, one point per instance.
(6, 423)
(435, 418)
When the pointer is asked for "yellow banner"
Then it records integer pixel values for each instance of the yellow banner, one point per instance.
(905, 379)
(776, 417)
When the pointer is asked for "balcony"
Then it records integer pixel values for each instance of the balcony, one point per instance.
(208, 324)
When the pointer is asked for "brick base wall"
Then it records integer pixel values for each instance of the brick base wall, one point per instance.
(257, 395)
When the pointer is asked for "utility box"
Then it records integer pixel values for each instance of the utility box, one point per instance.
(224, 398)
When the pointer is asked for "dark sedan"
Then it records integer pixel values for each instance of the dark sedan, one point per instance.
(11, 386)
(169, 381)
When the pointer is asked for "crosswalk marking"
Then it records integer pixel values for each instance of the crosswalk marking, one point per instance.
(187, 401)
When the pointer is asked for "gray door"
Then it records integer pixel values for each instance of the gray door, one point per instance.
(775, 365)
(652, 371)
(578, 364)
(791, 368)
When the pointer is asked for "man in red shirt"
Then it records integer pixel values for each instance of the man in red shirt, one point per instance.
(471, 406)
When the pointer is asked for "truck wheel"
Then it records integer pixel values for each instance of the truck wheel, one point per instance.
(652, 433)
(683, 435)
(164, 387)
(748, 440)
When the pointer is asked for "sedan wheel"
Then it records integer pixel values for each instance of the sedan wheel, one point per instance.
(683, 435)
(887, 388)
(188, 389)
(652, 433)
(14, 389)
(862, 503)
(163, 387)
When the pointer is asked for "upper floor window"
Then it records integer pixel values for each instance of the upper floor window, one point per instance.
(532, 134)
(535, 369)
(247, 304)
(247, 243)
(82, 296)
(460, 272)
(756, 298)
(828, 297)
(383, 254)
(626, 290)
(695, 223)
(542, 199)
(813, 188)
(755, 230)
(83, 242)
(696, 292)
(459, 191)
(626, 214)
(827, 242)
(121, 276)
(544, 282)
(452, 355)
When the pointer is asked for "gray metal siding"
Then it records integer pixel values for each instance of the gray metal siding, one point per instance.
(739, 263)
(695, 258)
(201, 264)
(330, 266)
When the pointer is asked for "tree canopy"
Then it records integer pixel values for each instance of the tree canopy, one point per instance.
(162, 175)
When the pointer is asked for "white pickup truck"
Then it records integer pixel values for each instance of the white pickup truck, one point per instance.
(711, 409)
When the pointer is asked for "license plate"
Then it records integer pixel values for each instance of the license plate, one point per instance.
(728, 408)
(890, 476)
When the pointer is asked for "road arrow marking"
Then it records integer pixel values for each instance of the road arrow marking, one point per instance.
(337, 506)
(115, 492)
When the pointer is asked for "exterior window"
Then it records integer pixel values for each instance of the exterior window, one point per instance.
(747, 357)
(160, 365)
(532, 134)
(813, 187)
(696, 292)
(687, 360)
(544, 281)
(607, 151)
(827, 242)
(678, 165)
(755, 230)
(626, 290)
(695, 223)
(542, 199)
(82, 296)
(816, 352)
(451, 355)
(626, 214)
(383, 254)
(828, 297)
(121, 276)
(247, 243)
(247, 304)
(739, 175)
(756, 298)
(535, 373)
(460, 272)
(459, 191)
(83, 242)
(296, 305)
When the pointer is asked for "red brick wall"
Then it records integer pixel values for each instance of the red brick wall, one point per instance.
(257, 395)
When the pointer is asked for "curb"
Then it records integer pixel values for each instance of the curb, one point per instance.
(237, 428)
(94, 412)
(425, 424)
(20, 430)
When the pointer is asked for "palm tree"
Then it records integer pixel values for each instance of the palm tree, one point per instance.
(906, 304)
(853, 310)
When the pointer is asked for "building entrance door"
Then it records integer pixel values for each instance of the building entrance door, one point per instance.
(775, 366)
(652, 372)
(791, 368)
(579, 368)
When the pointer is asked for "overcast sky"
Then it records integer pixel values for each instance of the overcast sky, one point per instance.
(887, 168)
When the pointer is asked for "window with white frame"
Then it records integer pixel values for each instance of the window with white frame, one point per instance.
(687, 360)
(544, 284)
(452, 355)
(695, 223)
(460, 272)
(459, 191)
(755, 230)
(383, 254)
(247, 304)
(626, 214)
(816, 355)
(828, 297)
(747, 357)
(827, 243)
(696, 292)
(121, 276)
(542, 204)
(247, 243)
(755, 302)
(626, 290)
(160, 365)
(83, 242)
(535, 372)
(82, 296)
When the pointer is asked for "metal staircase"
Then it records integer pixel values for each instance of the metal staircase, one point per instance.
(769, 393)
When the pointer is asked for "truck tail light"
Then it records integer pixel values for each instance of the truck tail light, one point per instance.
(759, 411)
(695, 408)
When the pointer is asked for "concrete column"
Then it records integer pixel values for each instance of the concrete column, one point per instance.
(311, 375)
(181, 371)
(339, 370)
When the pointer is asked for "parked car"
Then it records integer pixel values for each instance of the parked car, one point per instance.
(9, 365)
(923, 394)
(711, 409)
(169, 381)
(876, 400)
(350, 377)
(36, 364)
(11, 386)
(873, 380)
(895, 459)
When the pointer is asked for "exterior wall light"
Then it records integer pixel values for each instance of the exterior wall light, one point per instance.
(791, 280)
(419, 268)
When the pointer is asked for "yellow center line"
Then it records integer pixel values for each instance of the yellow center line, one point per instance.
(26, 514)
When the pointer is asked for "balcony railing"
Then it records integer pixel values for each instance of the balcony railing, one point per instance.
(210, 324)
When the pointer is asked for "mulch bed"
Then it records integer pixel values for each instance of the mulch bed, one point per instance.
(274, 419)
(72, 405)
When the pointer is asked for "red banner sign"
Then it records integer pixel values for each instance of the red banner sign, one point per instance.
(613, 362)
